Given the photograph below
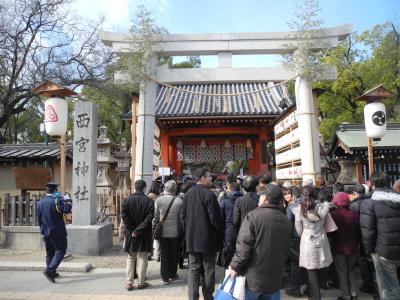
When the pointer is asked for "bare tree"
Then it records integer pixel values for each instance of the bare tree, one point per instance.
(42, 40)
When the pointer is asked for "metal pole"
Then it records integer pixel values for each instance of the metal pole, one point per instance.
(62, 167)
(370, 157)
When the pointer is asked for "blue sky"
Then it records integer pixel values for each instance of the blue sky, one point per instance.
(206, 16)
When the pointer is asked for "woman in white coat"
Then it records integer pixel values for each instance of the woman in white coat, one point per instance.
(315, 253)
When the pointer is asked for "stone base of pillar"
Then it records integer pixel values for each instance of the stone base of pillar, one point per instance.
(89, 240)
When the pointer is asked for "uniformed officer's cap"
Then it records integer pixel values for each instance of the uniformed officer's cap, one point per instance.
(52, 184)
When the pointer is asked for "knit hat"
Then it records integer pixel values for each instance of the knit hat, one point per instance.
(341, 199)
(273, 192)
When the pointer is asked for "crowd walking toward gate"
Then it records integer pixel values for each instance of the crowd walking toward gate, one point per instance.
(301, 238)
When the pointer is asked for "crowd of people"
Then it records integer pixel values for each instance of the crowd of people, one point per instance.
(316, 233)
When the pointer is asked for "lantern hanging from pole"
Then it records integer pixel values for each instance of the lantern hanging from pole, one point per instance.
(56, 116)
(375, 119)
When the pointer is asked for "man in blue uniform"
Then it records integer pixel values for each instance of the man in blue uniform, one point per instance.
(50, 212)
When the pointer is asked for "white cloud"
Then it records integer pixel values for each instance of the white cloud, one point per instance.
(159, 6)
(116, 12)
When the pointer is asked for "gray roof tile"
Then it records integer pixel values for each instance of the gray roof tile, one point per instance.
(182, 104)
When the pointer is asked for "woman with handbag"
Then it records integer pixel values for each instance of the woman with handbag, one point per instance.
(166, 230)
(315, 253)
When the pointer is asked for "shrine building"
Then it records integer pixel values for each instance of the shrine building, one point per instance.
(198, 130)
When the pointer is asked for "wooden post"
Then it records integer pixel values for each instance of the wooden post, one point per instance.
(20, 210)
(370, 157)
(34, 217)
(358, 172)
(62, 164)
(6, 211)
(13, 210)
(135, 100)
(27, 211)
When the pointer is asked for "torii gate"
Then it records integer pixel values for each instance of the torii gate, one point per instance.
(224, 45)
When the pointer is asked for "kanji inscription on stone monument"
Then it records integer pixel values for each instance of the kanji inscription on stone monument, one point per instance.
(85, 164)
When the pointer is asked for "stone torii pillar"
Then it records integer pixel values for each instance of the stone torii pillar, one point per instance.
(309, 140)
(145, 126)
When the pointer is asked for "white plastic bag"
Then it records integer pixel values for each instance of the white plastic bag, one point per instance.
(238, 292)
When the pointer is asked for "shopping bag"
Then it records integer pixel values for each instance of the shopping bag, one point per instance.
(330, 224)
(220, 294)
(239, 286)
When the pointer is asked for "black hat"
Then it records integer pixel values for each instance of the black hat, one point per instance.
(52, 184)
(273, 193)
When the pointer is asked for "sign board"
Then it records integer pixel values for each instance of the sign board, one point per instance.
(32, 178)
(287, 148)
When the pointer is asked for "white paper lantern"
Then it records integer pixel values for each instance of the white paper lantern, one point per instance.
(56, 116)
(375, 119)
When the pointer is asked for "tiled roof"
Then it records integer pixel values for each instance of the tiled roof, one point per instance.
(175, 103)
(12, 151)
(353, 136)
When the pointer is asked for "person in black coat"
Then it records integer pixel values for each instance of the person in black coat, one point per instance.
(246, 203)
(50, 212)
(202, 221)
(137, 214)
(227, 205)
(380, 228)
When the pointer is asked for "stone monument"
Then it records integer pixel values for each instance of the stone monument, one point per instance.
(85, 237)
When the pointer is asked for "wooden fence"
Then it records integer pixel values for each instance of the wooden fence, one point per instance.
(21, 210)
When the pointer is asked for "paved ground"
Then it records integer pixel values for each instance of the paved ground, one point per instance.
(104, 281)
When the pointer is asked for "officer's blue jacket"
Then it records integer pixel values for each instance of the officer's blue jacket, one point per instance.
(50, 212)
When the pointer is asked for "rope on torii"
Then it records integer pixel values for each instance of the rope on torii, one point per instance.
(218, 94)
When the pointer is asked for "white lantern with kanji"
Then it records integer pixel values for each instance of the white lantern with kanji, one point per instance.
(375, 119)
(56, 116)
